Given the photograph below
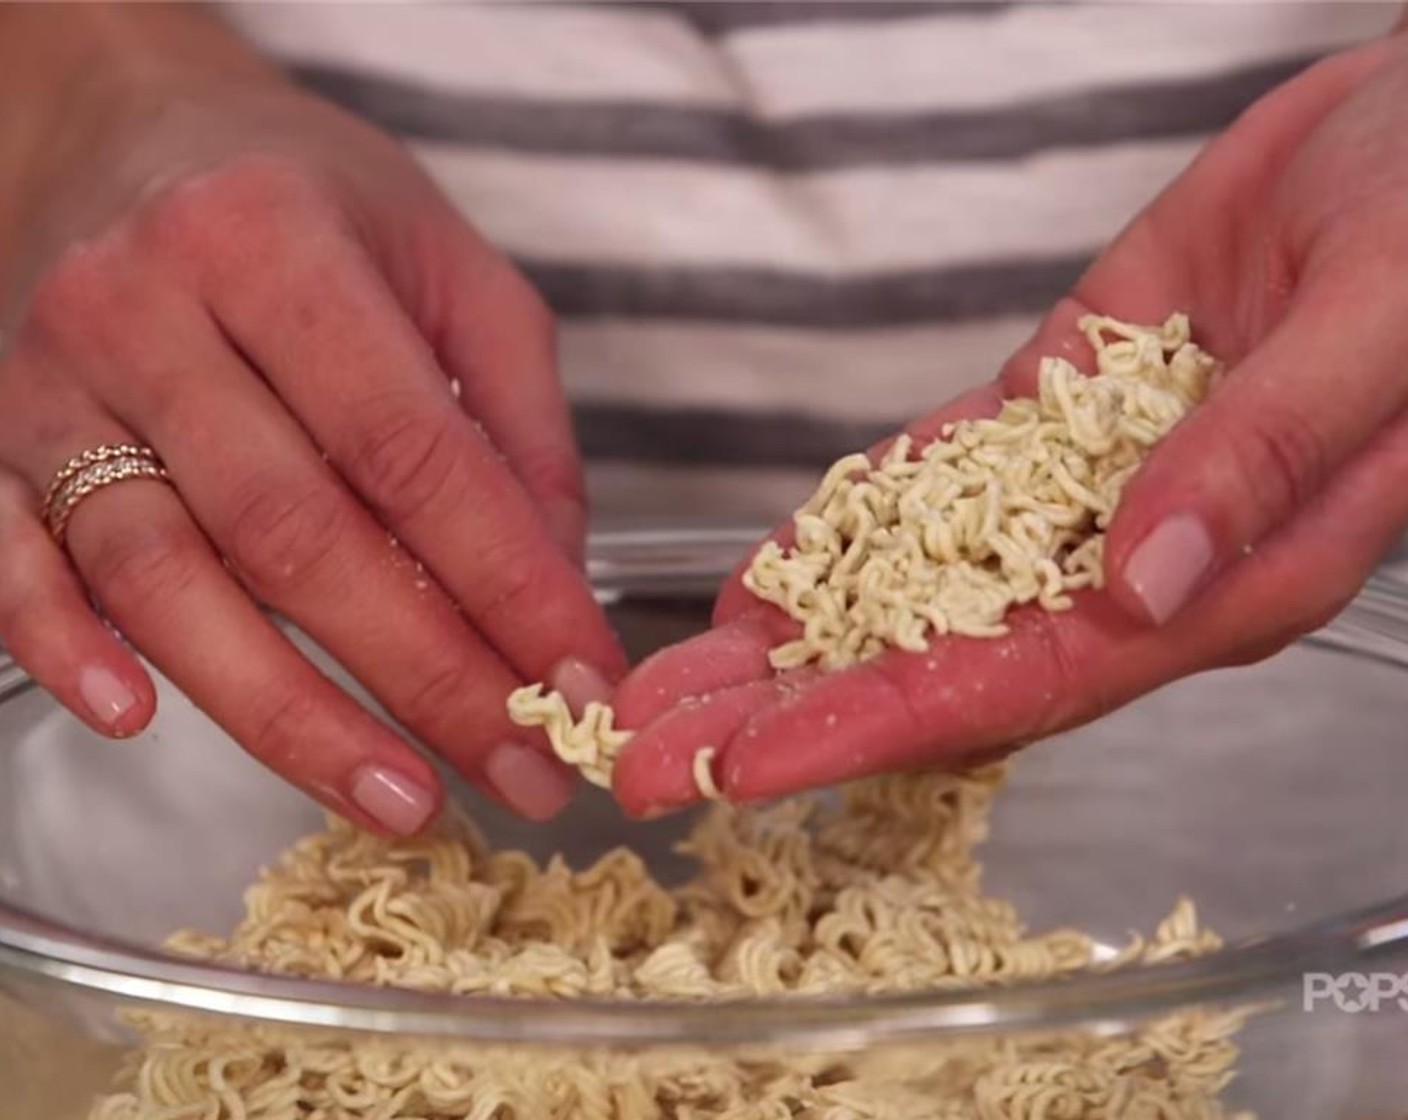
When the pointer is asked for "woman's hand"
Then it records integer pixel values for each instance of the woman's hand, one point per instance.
(329, 361)
(1253, 523)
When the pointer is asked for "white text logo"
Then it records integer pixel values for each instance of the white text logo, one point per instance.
(1353, 992)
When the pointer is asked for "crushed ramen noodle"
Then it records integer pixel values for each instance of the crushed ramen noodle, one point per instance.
(591, 744)
(878, 891)
(994, 514)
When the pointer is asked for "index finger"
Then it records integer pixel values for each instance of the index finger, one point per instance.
(902, 710)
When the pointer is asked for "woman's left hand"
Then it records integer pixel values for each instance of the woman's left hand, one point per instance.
(1286, 242)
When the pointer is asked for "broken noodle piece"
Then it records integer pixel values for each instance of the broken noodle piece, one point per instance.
(591, 744)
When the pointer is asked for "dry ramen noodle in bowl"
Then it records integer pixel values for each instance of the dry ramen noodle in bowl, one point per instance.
(839, 955)
(880, 894)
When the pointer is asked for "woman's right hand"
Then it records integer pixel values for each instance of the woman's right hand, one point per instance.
(276, 299)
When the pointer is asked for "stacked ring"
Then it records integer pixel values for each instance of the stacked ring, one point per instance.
(86, 474)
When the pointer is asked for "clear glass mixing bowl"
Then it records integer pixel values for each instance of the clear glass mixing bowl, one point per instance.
(1273, 795)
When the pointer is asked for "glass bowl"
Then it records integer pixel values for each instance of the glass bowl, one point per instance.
(1272, 795)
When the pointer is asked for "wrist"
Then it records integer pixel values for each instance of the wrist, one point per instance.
(73, 76)
(46, 48)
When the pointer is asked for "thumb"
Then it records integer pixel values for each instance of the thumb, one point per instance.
(1316, 389)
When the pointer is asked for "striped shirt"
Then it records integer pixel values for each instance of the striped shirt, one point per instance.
(774, 231)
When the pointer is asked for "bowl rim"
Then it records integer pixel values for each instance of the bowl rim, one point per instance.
(636, 563)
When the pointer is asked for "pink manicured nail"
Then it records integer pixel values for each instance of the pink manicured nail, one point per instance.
(105, 694)
(398, 803)
(1169, 564)
(579, 684)
(534, 785)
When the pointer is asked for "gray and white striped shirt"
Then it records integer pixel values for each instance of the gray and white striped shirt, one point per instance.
(774, 230)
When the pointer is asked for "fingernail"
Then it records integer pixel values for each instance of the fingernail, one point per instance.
(105, 694)
(398, 803)
(1169, 564)
(529, 782)
(579, 684)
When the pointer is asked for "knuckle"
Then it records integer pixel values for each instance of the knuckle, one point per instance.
(1281, 455)
(281, 536)
(76, 296)
(406, 464)
(144, 567)
(513, 586)
(437, 694)
(231, 212)
(282, 737)
(96, 312)
(553, 474)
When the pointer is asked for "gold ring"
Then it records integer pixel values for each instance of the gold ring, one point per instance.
(88, 473)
